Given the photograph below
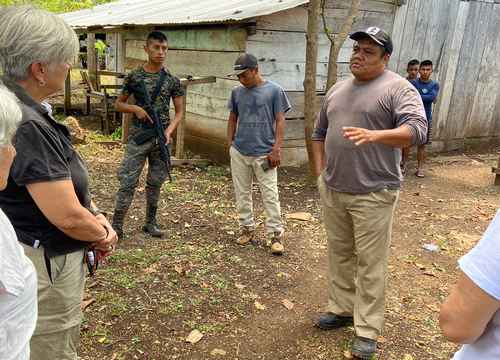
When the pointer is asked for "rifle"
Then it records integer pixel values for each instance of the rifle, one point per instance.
(157, 131)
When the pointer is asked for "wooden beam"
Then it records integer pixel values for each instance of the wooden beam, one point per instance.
(179, 145)
(194, 162)
(92, 59)
(197, 80)
(181, 129)
(67, 94)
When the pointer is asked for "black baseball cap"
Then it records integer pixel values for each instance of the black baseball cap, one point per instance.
(376, 34)
(243, 63)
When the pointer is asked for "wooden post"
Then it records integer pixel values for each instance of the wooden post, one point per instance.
(92, 60)
(179, 145)
(310, 77)
(496, 171)
(126, 119)
(336, 44)
(67, 94)
(121, 60)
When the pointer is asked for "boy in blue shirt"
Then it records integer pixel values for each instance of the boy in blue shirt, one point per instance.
(428, 90)
(412, 69)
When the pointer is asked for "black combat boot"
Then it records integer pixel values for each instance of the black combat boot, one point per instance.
(117, 224)
(151, 227)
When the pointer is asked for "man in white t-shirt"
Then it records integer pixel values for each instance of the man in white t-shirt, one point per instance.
(470, 314)
(18, 280)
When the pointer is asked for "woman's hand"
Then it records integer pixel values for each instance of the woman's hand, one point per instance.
(7, 155)
(107, 245)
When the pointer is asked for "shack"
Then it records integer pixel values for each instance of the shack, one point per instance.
(205, 38)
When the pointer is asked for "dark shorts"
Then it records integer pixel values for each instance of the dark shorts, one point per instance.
(429, 133)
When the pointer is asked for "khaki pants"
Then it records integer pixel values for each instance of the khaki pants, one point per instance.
(358, 227)
(57, 331)
(243, 168)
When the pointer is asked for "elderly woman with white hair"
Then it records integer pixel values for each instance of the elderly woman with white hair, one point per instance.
(47, 198)
(18, 309)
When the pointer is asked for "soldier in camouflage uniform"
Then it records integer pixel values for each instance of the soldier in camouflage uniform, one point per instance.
(135, 155)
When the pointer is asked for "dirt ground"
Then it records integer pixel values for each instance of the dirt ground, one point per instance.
(247, 304)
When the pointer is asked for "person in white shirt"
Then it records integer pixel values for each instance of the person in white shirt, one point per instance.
(18, 280)
(470, 314)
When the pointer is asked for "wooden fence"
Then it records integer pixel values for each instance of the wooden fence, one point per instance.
(462, 39)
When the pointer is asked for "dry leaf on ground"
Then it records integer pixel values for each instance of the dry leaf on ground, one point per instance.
(218, 352)
(303, 216)
(347, 354)
(239, 286)
(178, 269)
(194, 336)
(86, 303)
(288, 304)
(259, 306)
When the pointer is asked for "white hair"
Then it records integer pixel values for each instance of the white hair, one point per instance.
(29, 35)
(10, 115)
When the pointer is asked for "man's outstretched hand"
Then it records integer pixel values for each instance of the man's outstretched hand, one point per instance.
(360, 136)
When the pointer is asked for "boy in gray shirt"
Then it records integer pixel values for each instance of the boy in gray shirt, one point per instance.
(255, 132)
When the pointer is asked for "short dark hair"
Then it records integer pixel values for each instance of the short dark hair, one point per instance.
(426, 63)
(157, 35)
(413, 63)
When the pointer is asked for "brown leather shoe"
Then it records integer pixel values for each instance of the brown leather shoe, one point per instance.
(246, 236)
(277, 247)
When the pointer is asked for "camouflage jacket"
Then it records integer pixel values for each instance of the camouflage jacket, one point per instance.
(171, 88)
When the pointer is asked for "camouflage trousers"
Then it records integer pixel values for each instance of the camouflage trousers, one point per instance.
(131, 169)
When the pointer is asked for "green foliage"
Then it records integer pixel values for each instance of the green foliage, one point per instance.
(100, 46)
(117, 134)
(57, 6)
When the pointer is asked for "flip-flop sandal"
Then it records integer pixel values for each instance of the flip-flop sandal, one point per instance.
(419, 174)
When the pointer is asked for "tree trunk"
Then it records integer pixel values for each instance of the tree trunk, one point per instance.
(310, 77)
(336, 45)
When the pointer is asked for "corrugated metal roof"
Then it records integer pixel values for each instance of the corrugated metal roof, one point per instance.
(175, 12)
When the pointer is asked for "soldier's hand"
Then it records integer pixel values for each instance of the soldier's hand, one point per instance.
(142, 115)
(168, 136)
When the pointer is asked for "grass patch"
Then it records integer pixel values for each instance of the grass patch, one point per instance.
(116, 304)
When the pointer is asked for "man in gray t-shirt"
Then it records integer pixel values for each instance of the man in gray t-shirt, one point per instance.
(256, 128)
(362, 125)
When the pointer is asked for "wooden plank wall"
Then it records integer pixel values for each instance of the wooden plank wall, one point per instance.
(280, 45)
(461, 38)
(199, 51)
(280, 41)
(212, 52)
